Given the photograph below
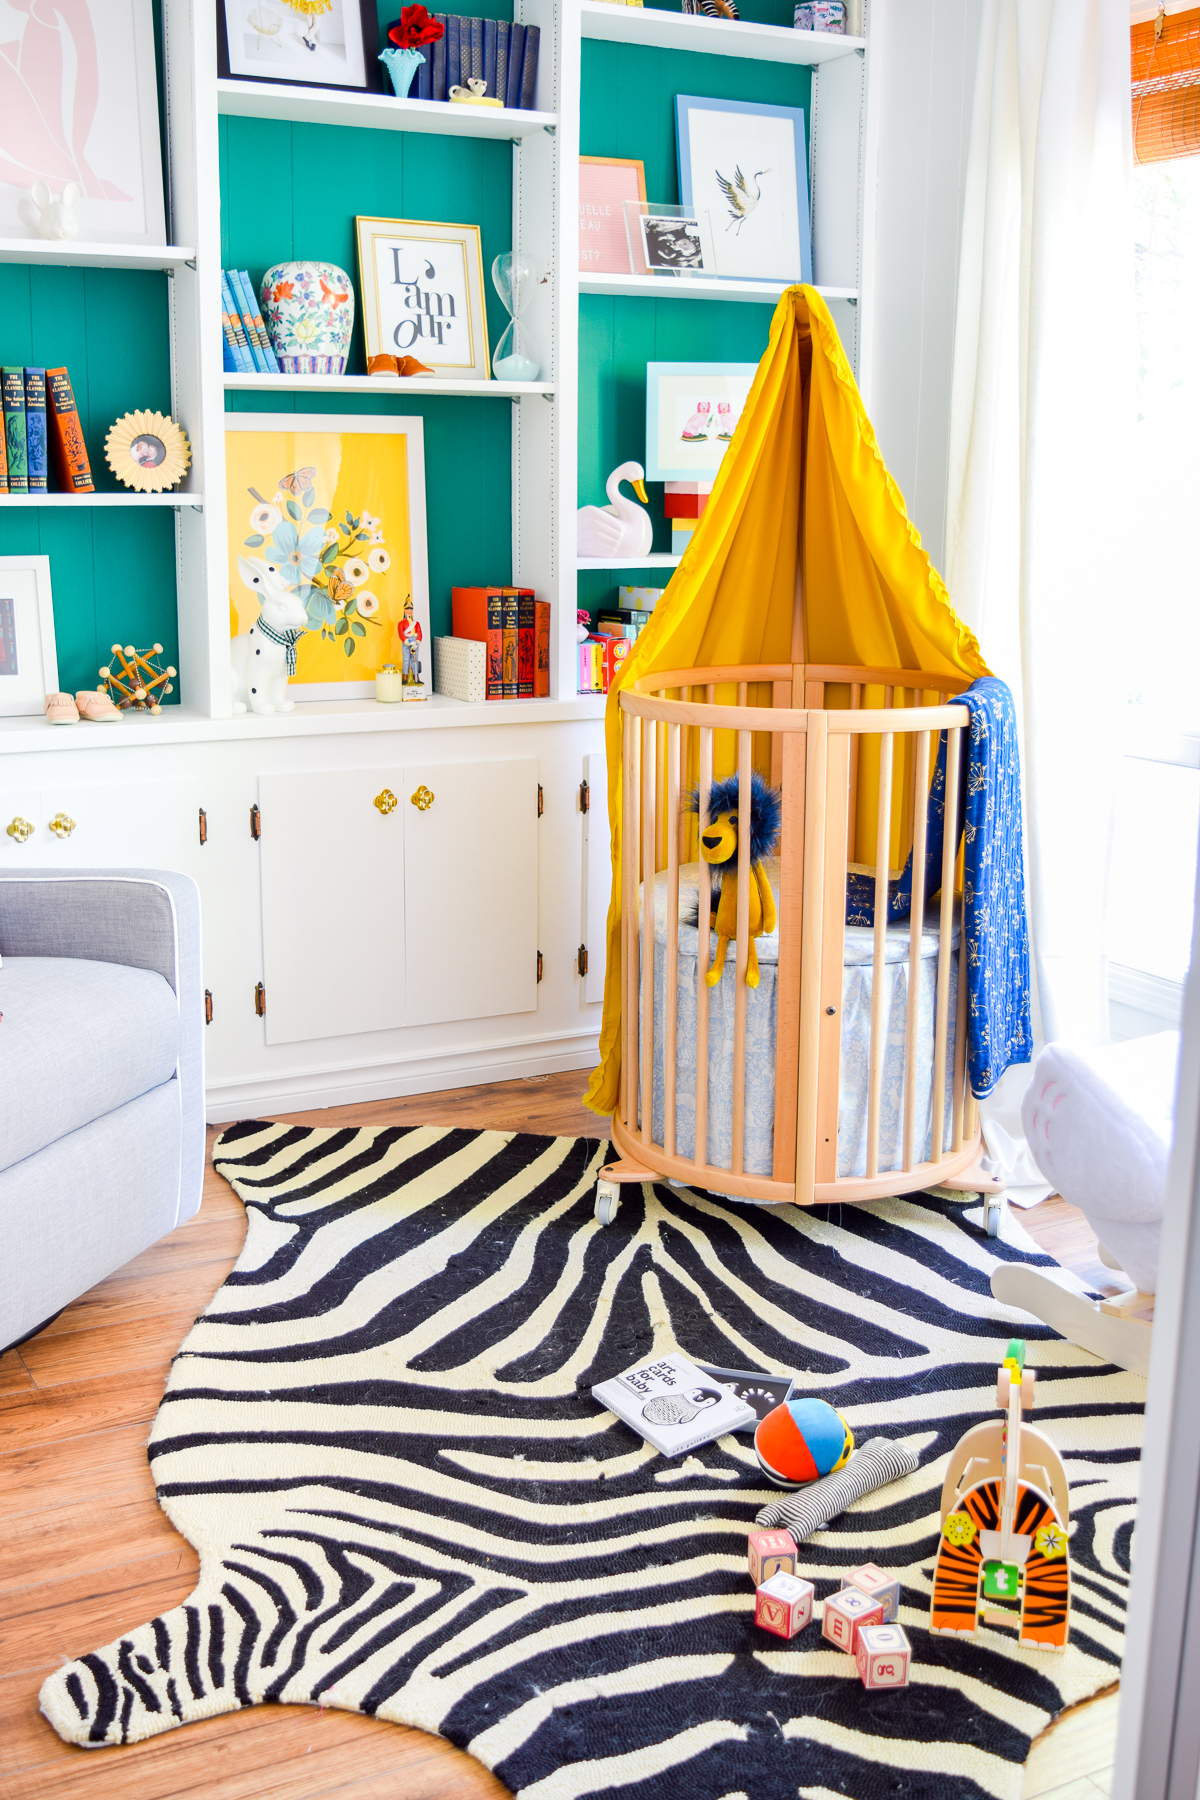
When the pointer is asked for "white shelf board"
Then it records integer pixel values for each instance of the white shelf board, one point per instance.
(660, 559)
(717, 37)
(378, 112)
(662, 287)
(173, 499)
(78, 254)
(397, 386)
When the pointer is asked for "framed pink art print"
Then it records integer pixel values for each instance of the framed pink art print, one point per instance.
(605, 183)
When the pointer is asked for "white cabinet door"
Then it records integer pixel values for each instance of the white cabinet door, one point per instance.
(470, 889)
(332, 898)
(122, 824)
(597, 874)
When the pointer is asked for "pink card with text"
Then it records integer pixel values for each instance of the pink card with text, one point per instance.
(604, 186)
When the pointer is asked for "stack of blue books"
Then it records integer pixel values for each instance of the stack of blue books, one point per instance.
(503, 55)
(247, 348)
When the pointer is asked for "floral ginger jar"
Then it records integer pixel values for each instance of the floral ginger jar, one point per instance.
(309, 312)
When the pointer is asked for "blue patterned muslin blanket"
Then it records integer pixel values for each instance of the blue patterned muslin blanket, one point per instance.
(994, 926)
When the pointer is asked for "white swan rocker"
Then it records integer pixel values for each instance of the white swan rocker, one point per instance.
(265, 656)
(621, 528)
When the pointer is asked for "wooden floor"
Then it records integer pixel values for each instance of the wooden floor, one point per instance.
(86, 1552)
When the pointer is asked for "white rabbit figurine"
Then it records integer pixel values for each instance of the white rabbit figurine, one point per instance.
(51, 218)
(265, 656)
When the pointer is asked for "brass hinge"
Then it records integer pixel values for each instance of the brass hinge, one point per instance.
(260, 999)
(203, 826)
(207, 996)
(541, 800)
(255, 823)
(585, 797)
(539, 965)
(583, 959)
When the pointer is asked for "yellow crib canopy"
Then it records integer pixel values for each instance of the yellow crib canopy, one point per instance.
(803, 518)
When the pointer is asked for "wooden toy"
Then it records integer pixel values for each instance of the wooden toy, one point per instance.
(883, 1655)
(801, 1440)
(134, 685)
(784, 1604)
(771, 1553)
(878, 1585)
(845, 1615)
(1005, 1512)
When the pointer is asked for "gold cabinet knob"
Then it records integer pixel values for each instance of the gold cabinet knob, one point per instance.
(61, 825)
(20, 829)
(387, 801)
(423, 798)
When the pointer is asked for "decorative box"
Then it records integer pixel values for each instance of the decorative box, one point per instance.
(784, 1604)
(460, 668)
(883, 1654)
(769, 1553)
(846, 1614)
(877, 1584)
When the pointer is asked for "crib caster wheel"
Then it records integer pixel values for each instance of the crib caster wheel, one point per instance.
(993, 1212)
(608, 1199)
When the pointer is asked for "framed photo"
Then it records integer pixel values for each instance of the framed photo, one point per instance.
(81, 107)
(28, 662)
(692, 412)
(422, 294)
(337, 502)
(667, 240)
(333, 43)
(744, 163)
(605, 183)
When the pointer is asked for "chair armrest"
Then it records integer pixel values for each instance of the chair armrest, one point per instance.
(144, 919)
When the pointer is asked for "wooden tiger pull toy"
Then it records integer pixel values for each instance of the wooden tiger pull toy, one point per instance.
(1002, 1559)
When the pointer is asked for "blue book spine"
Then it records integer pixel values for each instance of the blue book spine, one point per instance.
(477, 64)
(244, 301)
(35, 429)
(489, 58)
(425, 74)
(529, 65)
(516, 50)
(233, 313)
(261, 335)
(503, 37)
(453, 52)
(439, 59)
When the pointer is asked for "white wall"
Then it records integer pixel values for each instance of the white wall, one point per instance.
(924, 68)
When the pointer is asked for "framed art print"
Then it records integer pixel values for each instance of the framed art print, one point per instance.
(80, 108)
(28, 663)
(744, 163)
(692, 412)
(334, 43)
(605, 184)
(338, 503)
(421, 285)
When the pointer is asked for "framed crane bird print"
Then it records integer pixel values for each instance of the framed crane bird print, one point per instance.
(744, 163)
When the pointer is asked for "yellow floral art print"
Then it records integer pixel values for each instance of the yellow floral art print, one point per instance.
(336, 507)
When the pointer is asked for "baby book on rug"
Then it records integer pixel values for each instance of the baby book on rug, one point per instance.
(673, 1404)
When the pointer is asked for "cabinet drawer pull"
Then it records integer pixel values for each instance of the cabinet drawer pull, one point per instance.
(20, 829)
(423, 798)
(387, 801)
(61, 825)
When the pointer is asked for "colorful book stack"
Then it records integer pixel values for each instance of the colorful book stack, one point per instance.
(42, 434)
(492, 50)
(600, 656)
(684, 501)
(515, 626)
(622, 622)
(247, 347)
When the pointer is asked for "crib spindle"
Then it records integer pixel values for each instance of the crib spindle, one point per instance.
(816, 759)
(671, 986)
(916, 926)
(649, 835)
(744, 878)
(945, 936)
(852, 822)
(960, 1044)
(883, 844)
(630, 853)
(703, 942)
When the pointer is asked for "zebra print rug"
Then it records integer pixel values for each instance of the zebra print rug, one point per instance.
(379, 1439)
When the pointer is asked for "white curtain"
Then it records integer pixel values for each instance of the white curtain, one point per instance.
(1041, 413)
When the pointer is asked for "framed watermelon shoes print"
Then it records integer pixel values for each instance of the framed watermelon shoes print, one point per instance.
(421, 284)
(745, 164)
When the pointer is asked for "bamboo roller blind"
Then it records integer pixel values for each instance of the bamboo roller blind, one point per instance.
(1165, 69)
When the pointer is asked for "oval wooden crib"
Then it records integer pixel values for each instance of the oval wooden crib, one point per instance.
(829, 761)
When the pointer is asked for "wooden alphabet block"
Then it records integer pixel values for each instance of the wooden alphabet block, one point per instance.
(771, 1553)
(846, 1614)
(878, 1585)
(883, 1654)
(783, 1604)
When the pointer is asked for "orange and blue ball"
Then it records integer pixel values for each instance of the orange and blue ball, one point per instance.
(801, 1440)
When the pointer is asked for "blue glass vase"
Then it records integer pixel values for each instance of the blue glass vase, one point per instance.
(401, 65)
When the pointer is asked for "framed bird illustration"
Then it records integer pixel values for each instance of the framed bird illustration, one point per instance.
(743, 164)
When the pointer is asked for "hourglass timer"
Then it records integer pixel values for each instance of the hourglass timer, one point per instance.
(513, 276)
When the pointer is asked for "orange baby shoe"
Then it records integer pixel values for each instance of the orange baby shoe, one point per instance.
(61, 710)
(95, 704)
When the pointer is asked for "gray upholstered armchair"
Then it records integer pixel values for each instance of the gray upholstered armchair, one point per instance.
(101, 1078)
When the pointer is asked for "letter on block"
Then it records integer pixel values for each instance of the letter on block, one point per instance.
(784, 1604)
(878, 1585)
(771, 1553)
(846, 1614)
(883, 1654)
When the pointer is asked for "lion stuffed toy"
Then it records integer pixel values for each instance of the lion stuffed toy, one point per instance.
(719, 846)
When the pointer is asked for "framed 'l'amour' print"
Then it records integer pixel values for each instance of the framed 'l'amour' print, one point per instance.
(422, 294)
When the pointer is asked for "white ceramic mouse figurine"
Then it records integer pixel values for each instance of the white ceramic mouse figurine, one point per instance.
(52, 218)
(620, 528)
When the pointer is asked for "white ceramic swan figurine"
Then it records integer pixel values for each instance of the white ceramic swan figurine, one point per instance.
(620, 528)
